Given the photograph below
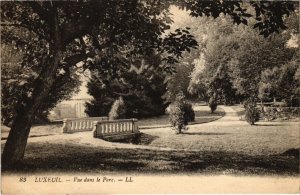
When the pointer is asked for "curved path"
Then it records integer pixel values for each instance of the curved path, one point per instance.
(229, 119)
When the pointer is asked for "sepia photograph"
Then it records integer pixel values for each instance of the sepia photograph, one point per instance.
(150, 97)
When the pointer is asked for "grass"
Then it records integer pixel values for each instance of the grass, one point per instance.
(36, 131)
(74, 158)
(202, 115)
(221, 147)
(261, 139)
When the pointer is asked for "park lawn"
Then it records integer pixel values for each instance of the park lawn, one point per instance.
(202, 115)
(264, 149)
(265, 138)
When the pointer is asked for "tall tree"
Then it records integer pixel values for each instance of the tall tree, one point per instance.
(62, 34)
(141, 87)
(16, 82)
(235, 56)
(282, 83)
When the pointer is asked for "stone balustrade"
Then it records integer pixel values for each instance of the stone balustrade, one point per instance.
(115, 129)
(72, 125)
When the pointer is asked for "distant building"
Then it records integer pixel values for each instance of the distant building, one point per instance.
(74, 108)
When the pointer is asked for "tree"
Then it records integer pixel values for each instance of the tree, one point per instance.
(246, 67)
(180, 80)
(62, 34)
(142, 87)
(234, 58)
(282, 83)
(16, 83)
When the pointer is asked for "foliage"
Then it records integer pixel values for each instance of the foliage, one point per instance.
(59, 35)
(118, 110)
(281, 113)
(180, 113)
(251, 113)
(234, 58)
(176, 115)
(142, 87)
(16, 83)
(179, 81)
(282, 83)
(212, 104)
(189, 113)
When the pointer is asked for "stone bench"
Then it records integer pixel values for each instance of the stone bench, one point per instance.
(113, 130)
(72, 125)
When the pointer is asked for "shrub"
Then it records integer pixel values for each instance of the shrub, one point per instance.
(251, 113)
(189, 113)
(212, 104)
(180, 113)
(117, 110)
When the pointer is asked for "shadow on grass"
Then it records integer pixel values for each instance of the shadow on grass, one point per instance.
(140, 139)
(203, 133)
(271, 125)
(73, 158)
(5, 138)
(292, 152)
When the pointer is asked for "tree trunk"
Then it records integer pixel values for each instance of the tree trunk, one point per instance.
(14, 148)
(17, 139)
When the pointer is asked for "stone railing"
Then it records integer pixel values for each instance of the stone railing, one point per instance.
(115, 129)
(72, 125)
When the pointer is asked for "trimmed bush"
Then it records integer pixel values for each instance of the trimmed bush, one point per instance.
(251, 113)
(180, 113)
(189, 113)
(212, 104)
(117, 110)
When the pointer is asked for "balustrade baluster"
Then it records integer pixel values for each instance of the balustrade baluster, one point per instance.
(130, 126)
(90, 123)
(117, 127)
(113, 129)
(107, 128)
(83, 125)
(80, 125)
(100, 128)
(104, 128)
(73, 125)
(77, 125)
